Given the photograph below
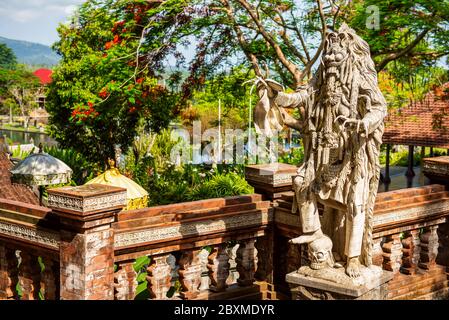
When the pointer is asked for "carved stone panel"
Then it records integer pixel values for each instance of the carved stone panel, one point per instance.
(218, 266)
(159, 277)
(246, 262)
(190, 274)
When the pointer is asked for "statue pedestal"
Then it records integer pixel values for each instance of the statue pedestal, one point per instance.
(272, 179)
(331, 283)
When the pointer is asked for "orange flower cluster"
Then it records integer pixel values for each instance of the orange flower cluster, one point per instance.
(84, 114)
(103, 93)
(117, 25)
(109, 44)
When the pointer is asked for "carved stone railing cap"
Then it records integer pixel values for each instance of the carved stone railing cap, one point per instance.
(271, 168)
(86, 191)
(441, 159)
(86, 199)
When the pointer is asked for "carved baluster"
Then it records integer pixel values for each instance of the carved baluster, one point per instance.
(50, 279)
(125, 282)
(392, 254)
(190, 274)
(159, 277)
(294, 260)
(429, 247)
(8, 273)
(443, 239)
(411, 250)
(264, 246)
(218, 266)
(4, 277)
(29, 276)
(246, 262)
(377, 251)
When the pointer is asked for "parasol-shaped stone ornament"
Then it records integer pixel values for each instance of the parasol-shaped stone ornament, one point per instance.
(136, 196)
(41, 169)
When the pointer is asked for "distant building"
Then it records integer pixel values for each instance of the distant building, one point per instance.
(40, 115)
(422, 123)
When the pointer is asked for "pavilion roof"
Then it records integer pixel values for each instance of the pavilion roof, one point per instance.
(44, 75)
(421, 123)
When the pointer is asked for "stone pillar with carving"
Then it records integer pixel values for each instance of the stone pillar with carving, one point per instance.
(159, 277)
(265, 249)
(49, 282)
(29, 276)
(8, 273)
(429, 247)
(392, 248)
(411, 251)
(246, 262)
(87, 239)
(218, 266)
(190, 273)
(125, 281)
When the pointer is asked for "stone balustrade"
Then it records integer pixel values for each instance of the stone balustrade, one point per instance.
(85, 247)
(197, 250)
(28, 241)
(405, 240)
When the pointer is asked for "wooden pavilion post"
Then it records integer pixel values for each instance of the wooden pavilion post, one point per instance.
(387, 178)
(410, 173)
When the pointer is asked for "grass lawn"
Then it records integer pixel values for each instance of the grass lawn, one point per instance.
(19, 127)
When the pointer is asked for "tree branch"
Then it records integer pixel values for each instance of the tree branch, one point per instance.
(241, 38)
(400, 53)
(291, 67)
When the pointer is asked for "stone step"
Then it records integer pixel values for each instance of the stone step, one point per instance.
(415, 293)
(407, 193)
(413, 200)
(403, 280)
(418, 284)
(188, 206)
(442, 294)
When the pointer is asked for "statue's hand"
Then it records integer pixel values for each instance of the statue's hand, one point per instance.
(359, 126)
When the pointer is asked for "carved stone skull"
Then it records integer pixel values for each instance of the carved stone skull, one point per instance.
(320, 253)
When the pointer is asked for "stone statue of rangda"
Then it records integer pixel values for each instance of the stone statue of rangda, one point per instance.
(341, 121)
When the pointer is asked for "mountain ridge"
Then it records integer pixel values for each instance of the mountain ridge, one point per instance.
(32, 53)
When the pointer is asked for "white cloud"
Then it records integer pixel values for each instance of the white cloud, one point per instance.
(34, 20)
(26, 10)
(24, 15)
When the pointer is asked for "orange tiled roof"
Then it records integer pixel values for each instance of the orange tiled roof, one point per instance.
(423, 123)
(16, 192)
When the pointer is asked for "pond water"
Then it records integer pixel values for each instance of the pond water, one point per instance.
(18, 137)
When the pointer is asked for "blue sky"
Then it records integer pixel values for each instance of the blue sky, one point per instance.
(34, 20)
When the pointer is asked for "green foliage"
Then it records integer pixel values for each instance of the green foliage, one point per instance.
(220, 185)
(293, 156)
(401, 22)
(231, 89)
(105, 83)
(140, 266)
(18, 78)
(83, 169)
(8, 59)
(168, 183)
(401, 158)
(20, 154)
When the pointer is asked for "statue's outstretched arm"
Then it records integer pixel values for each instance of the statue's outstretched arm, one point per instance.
(373, 119)
(291, 100)
(289, 121)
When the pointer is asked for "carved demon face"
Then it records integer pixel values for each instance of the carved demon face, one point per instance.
(320, 253)
(336, 51)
